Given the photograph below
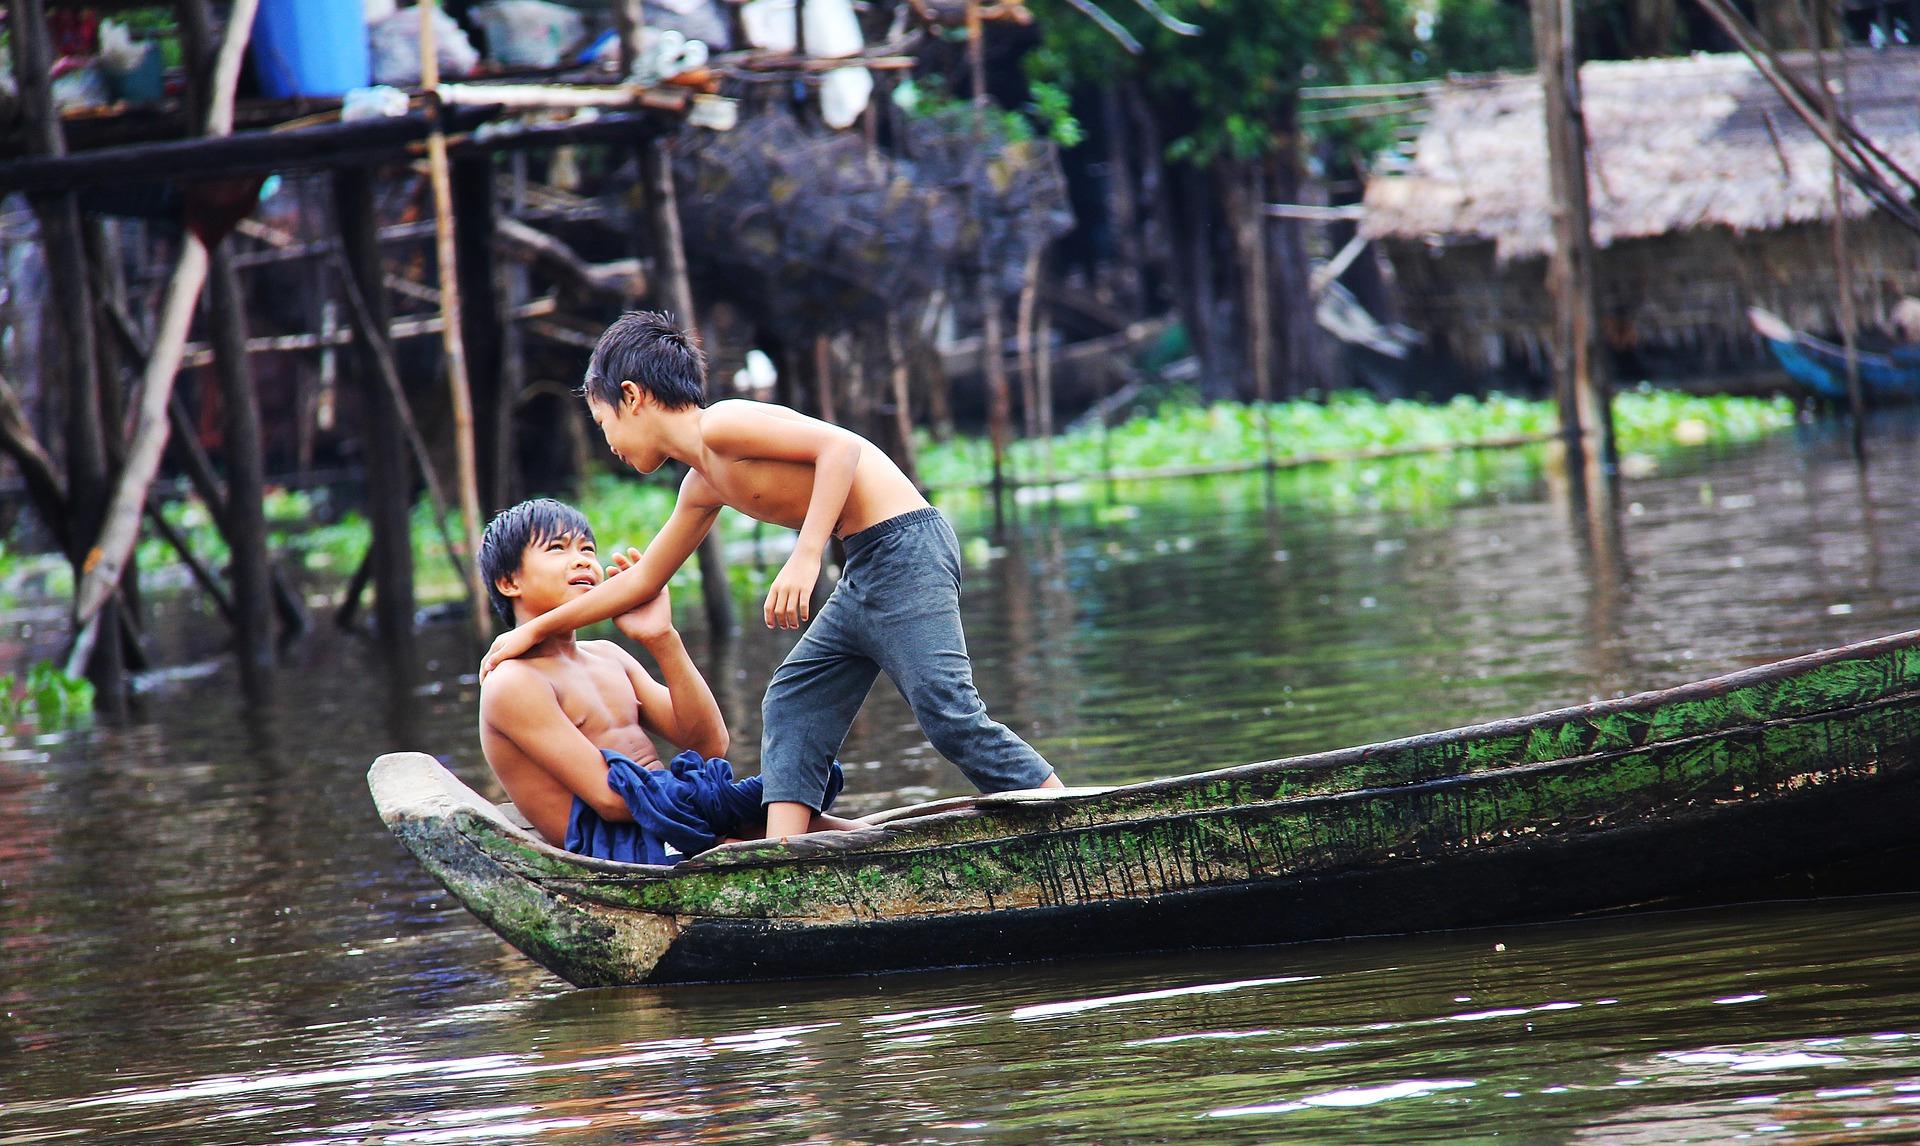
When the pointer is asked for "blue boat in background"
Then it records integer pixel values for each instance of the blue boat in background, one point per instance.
(1821, 366)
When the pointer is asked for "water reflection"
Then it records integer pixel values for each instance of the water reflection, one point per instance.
(206, 935)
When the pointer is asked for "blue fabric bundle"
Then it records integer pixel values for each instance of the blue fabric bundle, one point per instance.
(678, 811)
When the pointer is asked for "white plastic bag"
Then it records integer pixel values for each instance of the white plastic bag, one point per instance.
(833, 32)
(395, 45)
(528, 33)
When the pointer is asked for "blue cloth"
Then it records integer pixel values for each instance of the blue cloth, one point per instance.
(688, 807)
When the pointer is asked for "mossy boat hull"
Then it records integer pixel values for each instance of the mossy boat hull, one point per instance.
(1717, 790)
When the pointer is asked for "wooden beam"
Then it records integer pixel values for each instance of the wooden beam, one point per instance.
(625, 278)
(323, 146)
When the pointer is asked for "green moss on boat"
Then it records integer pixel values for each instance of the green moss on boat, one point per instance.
(1693, 791)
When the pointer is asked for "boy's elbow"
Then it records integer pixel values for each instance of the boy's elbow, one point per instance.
(711, 742)
(611, 806)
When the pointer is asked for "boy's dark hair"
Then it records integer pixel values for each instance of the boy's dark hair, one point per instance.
(646, 348)
(512, 530)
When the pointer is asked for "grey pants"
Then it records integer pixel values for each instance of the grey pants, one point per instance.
(897, 611)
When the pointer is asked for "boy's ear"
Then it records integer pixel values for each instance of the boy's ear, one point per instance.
(507, 585)
(632, 396)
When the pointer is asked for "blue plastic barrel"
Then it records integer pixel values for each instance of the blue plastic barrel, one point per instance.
(310, 47)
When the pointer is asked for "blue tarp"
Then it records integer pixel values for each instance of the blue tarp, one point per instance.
(678, 811)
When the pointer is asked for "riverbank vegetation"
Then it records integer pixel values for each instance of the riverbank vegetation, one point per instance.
(1169, 432)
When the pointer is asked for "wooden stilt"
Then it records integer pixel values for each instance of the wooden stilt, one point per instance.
(245, 519)
(670, 262)
(1251, 228)
(993, 362)
(823, 402)
(1043, 372)
(390, 559)
(379, 348)
(1579, 372)
(1023, 346)
(44, 486)
(71, 306)
(1842, 256)
(898, 381)
(483, 325)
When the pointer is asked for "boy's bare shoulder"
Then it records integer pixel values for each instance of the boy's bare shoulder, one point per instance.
(514, 684)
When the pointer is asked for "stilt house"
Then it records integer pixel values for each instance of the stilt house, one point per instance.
(1709, 196)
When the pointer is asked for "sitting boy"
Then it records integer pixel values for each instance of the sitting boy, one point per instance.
(565, 728)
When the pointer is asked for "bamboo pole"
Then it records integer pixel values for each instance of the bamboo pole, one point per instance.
(465, 452)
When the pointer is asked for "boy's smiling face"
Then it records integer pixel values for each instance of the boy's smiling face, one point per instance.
(553, 571)
(627, 427)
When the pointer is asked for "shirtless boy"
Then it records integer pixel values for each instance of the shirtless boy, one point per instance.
(896, 608)
(545, 717)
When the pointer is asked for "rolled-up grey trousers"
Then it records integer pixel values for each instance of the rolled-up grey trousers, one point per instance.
(896, 610)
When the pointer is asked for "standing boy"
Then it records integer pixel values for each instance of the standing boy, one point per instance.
(896, 609)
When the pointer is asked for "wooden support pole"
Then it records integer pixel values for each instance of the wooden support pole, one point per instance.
(823, 403)
(1842, 255)
(1579, 370)
(898, 381)
(202, 575)
(1251, 236)
(71, 307)
(1043, 372)
(389, 563)
(483, 326)
(1023, 345)
(380, 351)
(44, 487)
(121, 522)
(670, 264)
(466, 458)
(993, 362)
(245, 519)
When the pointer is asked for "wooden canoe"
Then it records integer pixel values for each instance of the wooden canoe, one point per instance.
(1691, 792)
(1821, 366)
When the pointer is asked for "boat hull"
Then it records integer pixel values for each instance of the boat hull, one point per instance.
(1821, 366)
(1697, 794)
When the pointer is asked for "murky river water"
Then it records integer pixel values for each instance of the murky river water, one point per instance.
(207, 937)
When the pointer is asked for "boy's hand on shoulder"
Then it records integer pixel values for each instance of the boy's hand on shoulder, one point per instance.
(790, 600)
(513, 643)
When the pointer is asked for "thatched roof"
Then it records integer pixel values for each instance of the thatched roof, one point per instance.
(1673, 144)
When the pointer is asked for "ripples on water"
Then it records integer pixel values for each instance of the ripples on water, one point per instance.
(206, 936)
